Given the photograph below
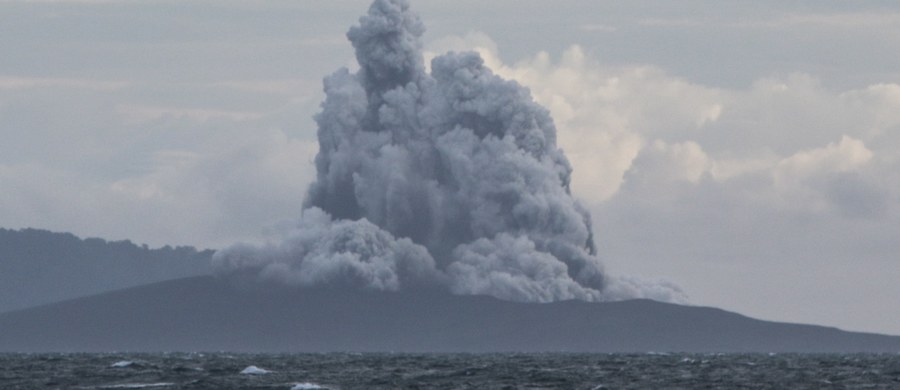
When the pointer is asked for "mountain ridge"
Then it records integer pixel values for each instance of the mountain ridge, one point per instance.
(39, 266)
(207, 313)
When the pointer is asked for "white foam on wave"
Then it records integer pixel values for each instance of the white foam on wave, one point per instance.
(137, 385)
(308, 386)
(254, 370)
(122, 364)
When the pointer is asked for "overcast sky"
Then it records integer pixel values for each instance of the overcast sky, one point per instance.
(746, 151)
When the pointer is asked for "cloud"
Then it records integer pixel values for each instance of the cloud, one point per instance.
(201, 174)
(202, 197)
(779, 180)
(790, 19)
(597, 27)
(605, 115)
(842, 20)
(144, 113)
(727, 132)
(37, 82)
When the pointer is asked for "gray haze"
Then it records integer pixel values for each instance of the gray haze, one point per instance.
(451, 178)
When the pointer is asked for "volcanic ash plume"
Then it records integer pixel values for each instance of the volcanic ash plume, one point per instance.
(450, 179)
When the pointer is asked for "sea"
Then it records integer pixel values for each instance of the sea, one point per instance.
(449, 371)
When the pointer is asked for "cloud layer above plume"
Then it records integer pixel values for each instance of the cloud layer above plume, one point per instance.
(459, 162)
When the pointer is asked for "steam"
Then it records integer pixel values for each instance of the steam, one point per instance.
(451, 179)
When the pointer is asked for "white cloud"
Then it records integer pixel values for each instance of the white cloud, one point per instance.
(846, 155)
(798, 178)
(661, 162)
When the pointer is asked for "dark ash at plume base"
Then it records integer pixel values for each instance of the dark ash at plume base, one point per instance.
(451, 178)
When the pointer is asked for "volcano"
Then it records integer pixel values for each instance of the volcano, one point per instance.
(214, 314)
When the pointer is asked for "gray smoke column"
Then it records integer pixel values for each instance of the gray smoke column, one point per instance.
(450, 179)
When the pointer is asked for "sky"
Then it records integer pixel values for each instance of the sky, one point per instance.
(748, 152)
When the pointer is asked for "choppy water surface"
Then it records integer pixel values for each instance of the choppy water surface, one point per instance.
(446, 371)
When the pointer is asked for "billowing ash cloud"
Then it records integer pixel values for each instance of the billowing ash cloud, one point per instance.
(450, 179)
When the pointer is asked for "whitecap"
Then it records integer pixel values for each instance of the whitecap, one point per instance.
(137, 385)
(308, 386)
(254, 370)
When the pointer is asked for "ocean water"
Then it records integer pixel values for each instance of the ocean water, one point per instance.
(448, 371)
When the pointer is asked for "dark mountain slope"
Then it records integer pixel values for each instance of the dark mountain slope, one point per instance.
(38, 266)
(208, 314)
